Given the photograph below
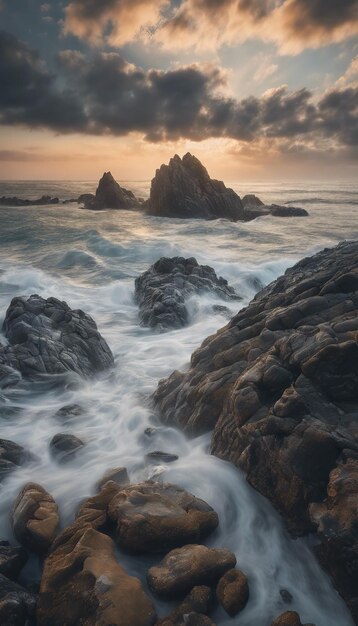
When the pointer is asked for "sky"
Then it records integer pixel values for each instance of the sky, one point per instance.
(256, 89)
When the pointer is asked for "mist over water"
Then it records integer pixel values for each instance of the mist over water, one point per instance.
(90, 260)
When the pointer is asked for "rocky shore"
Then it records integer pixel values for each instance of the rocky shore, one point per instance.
(277, 387)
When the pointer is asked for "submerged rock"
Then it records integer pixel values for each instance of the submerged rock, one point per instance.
(82, 582)
(12, 456)
(279, 386)
(233, 591)
(64, 446)
(161, 457)
(47, 337)
(110, 195)
(155, 517)
(17, 605)
(12, 560)
(184, 568)
(184, 189)
(35, 518)
(162, 290)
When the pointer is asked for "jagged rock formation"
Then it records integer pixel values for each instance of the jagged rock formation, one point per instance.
(162, 290)
(47, 337)
(279, 386)
(254, 207)
(109, 195)
(184, 189)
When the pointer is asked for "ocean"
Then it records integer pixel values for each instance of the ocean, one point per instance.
(90, 260)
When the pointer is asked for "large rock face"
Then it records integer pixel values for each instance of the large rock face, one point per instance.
(162, 290)
(109, 195)
(279, 386)
(184, 189)
(47, 337)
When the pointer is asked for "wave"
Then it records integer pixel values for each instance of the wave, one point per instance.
(319, 200)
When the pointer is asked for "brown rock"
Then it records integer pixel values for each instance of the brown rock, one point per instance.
(233, 591)
(82, 581)
(198, 603)
(290, 618)
(184, 568)
(119, 475)
(156, 517)
(35, 518)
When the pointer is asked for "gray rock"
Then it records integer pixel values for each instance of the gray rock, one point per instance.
(17, 605)
(12, 456)
(278, 385)
(254, 207)
(14, 201)
(184, 189)
(110, 195)
(47, 337)
(162, 290)
(12, 560)
(64, 447)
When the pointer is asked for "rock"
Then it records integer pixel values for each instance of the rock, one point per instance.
(82, 582)
(119, 475)
(68, 411)
(279, 387)
(161, 457)
(290, 618)
(162, 290)
(47, 337)
(184, 189)
(64, 447)
(197, 604)
(110, 195)
(17, 605)
(11, 456)
(12, 560)
(86, 198)
(14, 201)
(254, 207)
(35, 518)
(155, 517)
(286, 596)
(233, 591)
(184, 568)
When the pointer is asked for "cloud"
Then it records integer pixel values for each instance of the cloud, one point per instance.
(117, 98)
(350, 76)
(29, 94)
(291, 24)
(118, 21)
(264, 70)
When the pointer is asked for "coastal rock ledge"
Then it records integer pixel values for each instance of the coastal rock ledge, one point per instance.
(278, 385)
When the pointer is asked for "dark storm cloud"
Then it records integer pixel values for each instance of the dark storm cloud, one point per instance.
(28, 93)
(115, 97)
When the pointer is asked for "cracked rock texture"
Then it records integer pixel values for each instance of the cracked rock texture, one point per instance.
(279, 388)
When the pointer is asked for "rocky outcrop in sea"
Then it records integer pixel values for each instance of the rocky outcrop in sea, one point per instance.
(110, 195)
(278, 386)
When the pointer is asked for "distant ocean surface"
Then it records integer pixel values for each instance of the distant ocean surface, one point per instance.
(90, 259)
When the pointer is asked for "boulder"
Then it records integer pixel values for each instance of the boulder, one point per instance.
(17, 605)
(12, 455)
(184, 568)
(47, 337)
(67, 412)
(82, 582)
(184, 189)
(290, 618)
(35, 518)
(198, 603)
(64, 447)
(254, 207)
(278, 385)
(233, 591)
(155, 517)
(162, 290)
(12, 560)
(109, 195)
(161, 457)
(119, 475)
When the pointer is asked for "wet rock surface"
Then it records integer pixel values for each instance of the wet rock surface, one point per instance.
(12, 456)
(17, 605)
(48, 337)
(184, 189)
(64, 446)
(118, 475)
(254, 207)
(12, 560)
(198, 604)
(35, 518)
(189, 566)
(109, 195)
(290, 618)
(278, 385)
(155, 517)
(233, 591)
(162, 290)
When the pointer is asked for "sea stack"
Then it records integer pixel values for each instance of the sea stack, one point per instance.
(184, 189)
(110, 195)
